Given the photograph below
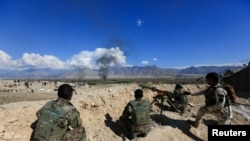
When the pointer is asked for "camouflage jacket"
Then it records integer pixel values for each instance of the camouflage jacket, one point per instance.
(55, 118)
(138, 112)
(178, 97)
(215, 97)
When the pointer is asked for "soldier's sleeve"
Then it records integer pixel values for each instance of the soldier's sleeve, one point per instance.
(197, 93)
(220, 100)
(38, 113)
(126, 112)
(150, 106)
(74, 118)
(170, 95)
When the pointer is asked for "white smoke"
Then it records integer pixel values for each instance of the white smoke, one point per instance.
(84, 59)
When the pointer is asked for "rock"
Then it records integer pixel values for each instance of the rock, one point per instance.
(2, 129)
(8, 135)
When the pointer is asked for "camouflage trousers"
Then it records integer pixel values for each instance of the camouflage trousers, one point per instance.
(77, 134)
(182, 107)
(223, 117)
(130, 130)
(141, 129)
(179, 107)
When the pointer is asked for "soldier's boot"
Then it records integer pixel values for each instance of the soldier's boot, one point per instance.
(195, 124)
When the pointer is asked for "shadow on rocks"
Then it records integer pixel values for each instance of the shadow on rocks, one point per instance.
(33, 126)
(113, 125)
(209, 122)
(180, 124)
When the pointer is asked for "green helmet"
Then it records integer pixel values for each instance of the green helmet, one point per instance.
(178, 86)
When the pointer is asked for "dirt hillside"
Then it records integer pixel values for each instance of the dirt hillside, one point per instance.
(101, 106)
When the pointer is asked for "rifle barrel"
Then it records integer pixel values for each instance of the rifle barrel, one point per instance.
(153, 88)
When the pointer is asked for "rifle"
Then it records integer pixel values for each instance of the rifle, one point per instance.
(162, 95)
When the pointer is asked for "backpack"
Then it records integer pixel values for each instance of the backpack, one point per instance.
(140, 112)
(231, 94)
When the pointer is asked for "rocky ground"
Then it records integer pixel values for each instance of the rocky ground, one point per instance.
(101, 106)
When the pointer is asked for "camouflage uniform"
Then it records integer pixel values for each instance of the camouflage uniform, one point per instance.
(135, 119)
(215, 99)
(59, 120)
(178, 100)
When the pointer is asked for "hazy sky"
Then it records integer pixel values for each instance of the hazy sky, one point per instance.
(61, 34)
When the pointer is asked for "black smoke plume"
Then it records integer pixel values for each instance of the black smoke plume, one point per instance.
(104, 63)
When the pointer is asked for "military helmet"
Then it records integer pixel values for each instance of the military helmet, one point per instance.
(178, 86)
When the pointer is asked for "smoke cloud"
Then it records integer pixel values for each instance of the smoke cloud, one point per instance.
(104, 63)
(84, 59)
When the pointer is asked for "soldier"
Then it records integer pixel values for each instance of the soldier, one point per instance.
(135, 119)
(178, 98)
(59, 120)
(215, 99)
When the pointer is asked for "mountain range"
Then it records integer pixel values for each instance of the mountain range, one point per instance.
(114, 72)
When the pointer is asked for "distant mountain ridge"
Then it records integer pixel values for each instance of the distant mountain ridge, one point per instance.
(117, 72)
(206, 69)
